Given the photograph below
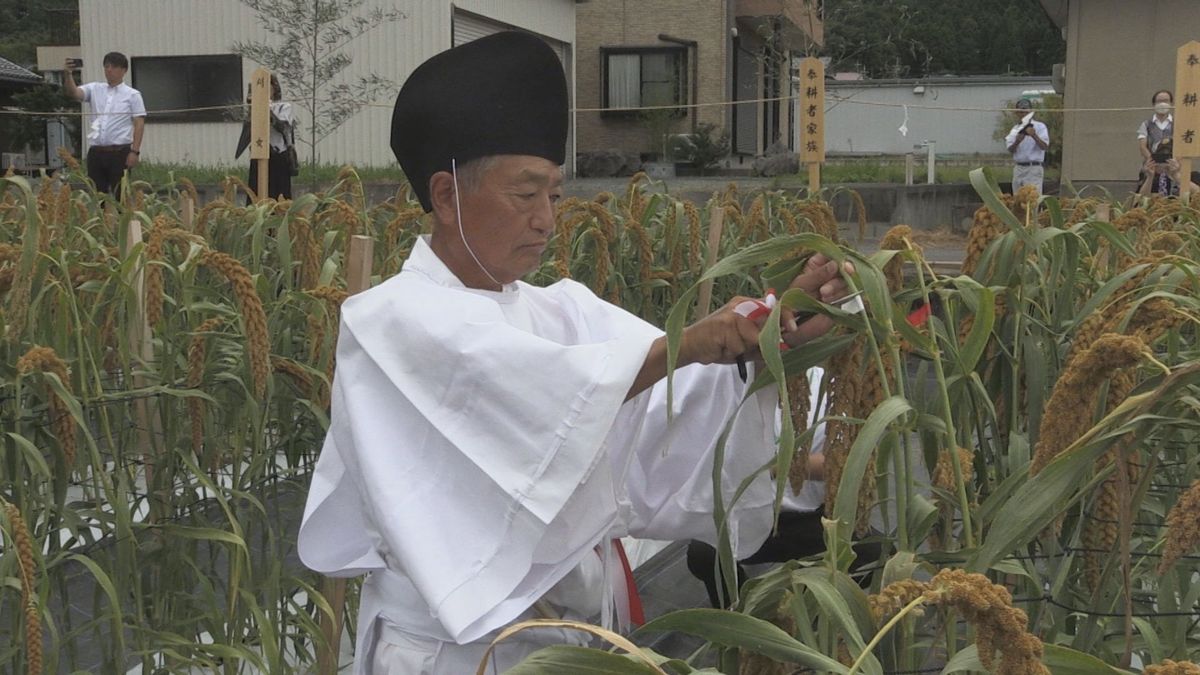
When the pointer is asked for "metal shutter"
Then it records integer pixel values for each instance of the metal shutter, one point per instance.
(466, 27)
(746, 123)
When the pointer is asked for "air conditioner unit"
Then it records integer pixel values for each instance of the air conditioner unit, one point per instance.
(14, 160)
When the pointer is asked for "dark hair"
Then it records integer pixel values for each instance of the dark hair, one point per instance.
(116, 59)
(1154, 98)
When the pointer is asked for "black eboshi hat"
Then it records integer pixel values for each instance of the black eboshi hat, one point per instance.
(504, 94)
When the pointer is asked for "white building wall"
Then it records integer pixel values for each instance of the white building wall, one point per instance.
(194, 27)
(855, 126)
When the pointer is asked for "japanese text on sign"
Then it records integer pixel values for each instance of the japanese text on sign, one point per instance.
(1187, 93)
(260, 114)
(812, 111)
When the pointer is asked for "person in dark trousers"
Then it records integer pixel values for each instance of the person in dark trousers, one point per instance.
(1155, 137)
(800, 533)
(118, 118)
(280, 168)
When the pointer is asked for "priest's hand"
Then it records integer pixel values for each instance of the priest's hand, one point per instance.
(822, 280)
(720, 337)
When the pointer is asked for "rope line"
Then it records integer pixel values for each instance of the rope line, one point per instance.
(839, 100)
(80, 113)
(836, 100)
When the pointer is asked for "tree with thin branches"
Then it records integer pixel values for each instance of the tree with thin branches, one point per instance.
(311, 58)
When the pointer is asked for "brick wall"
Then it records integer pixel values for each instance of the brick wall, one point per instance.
(637, 23)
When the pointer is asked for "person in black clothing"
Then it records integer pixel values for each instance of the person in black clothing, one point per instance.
(280, 168)
(800, 533)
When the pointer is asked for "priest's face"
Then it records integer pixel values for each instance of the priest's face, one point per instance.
(507, 219)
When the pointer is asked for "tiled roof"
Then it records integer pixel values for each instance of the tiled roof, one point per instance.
(11, 72)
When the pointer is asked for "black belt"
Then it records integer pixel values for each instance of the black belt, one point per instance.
(110, 148)
(1029, 163)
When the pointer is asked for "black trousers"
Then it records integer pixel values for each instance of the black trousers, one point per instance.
(106, 167)
(279, 179)
(800, 535)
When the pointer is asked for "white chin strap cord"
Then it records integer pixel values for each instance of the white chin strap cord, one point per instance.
(458, 217)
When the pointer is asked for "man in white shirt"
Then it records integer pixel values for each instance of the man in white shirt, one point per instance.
(490, 440)
(117, 120)
(1027, 141)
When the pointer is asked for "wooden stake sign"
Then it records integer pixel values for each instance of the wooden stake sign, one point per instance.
(1187, 111)
(141, 346)
(260, 126)
(812, 119)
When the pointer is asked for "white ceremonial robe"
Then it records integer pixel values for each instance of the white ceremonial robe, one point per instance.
(480, 448)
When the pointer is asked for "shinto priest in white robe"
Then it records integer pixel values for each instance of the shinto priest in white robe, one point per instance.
(481, 456)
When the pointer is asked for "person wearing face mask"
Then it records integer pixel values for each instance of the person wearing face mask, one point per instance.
(490, 441)
(1027, 142)
(1154, 143)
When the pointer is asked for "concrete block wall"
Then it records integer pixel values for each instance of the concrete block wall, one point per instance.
(635, 23)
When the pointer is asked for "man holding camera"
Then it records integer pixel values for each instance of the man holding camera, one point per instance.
(118, 120)
(1027, 141)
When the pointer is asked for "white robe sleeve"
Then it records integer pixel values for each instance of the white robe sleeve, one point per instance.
(670, 486)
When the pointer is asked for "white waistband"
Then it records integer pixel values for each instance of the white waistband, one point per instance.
(392, 596)
(390, 605)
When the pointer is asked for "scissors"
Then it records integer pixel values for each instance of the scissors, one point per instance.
(753, 309)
